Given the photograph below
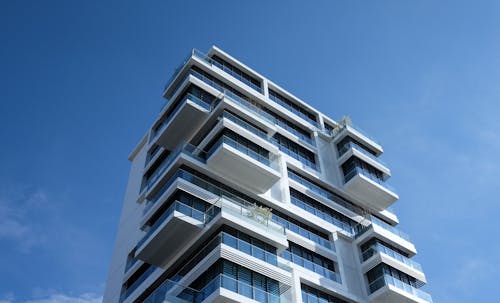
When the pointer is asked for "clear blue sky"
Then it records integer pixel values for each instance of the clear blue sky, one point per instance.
(81, 82)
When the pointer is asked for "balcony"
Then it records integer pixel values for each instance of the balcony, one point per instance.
(178, 224)
(390, 234)
(371, 190)
(307, 264)
(227, 289)
(243, 165)
(172, 292)
(182, 122)
(353, 131)
(387, 289)
(351, 148)
(249, 219)
(221, 242)
(378, 253)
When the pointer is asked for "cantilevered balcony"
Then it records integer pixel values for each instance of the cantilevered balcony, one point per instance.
(311, 266)
(181, 223)
(388, 289)
(378, 253)
(242, 164)
(229, 290)
(389, 234)
(221, 289)
(368, 184)
(353, 131)
(178, 224)
(348, 149)
(181, 122)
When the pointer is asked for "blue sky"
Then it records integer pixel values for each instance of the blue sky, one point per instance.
(81, 82)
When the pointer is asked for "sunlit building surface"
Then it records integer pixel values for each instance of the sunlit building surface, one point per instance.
(241, 192)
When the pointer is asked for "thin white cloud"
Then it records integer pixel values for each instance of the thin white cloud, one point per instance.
(16, 225)
(59, 298)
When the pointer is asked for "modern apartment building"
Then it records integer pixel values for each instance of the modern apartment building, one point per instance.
(241, 192)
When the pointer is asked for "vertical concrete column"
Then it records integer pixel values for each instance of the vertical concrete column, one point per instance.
(265, 88)
(296, 290)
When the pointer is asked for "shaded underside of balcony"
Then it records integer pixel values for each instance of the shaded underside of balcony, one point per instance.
(370, 194)
(242, 169)
(189, 117)
(178, 229)
(392, 294)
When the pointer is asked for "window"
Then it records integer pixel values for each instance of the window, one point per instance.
(313, 295)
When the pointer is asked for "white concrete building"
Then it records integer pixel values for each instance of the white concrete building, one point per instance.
(240, 192)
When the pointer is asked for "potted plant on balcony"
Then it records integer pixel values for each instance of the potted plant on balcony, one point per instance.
(343, 122)
(259, 213)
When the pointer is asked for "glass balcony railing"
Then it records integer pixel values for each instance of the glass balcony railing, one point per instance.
(293, 110)
(234, 242)
(296, 156)
(292, 130)
(152, 155)
(323, 271)
(176, 206)
(174, 112)
(187, 149)
(334, 132)
(125, 294)
(391, 253)
(249, 106)
(239, 287)
(249, 249)
(362, 150)
(245, 125)
(357, 170)
(304, 232)
(248, 214)
(130, 262)
(323, 215)
(364, 133)
(383, 225)
(172, 289)
(389, 280)
(390, 228)
(228, 202)
(242, 148)
(198, 54)
(324, 193)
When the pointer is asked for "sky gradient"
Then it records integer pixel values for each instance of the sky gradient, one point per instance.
(81, 82)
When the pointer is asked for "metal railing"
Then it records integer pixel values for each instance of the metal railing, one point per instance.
(246, 104)
(304, 232)
(174, 112)
(130, 289)
(176, 206)
(240, 147)
(185, 148)
(323, 215)
(383, 225)
(357, 170)
(334, 132)
(324, 193)
(323, 271)
(239, 287)
(390, 280)
(260, 133)
(372, 250)
(361, 149)
(293, 110)
(172, 291)
(228, 202)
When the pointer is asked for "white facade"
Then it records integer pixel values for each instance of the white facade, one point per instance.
(240, 192)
